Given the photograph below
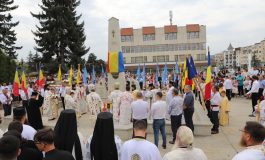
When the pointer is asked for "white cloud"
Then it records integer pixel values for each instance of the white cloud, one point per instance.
(240, 22)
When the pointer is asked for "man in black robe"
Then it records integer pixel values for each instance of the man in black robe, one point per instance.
(33, 110)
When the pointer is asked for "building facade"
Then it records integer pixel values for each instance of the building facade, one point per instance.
(239, 57)
(256, 51)
(219, 60)
(231, 59)
(151, 45)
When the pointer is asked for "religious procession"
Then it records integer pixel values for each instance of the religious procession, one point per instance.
(148, 90)
(146, 100)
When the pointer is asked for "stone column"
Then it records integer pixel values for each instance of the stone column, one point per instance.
(114, 45)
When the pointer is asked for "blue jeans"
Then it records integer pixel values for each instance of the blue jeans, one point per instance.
(159, 124)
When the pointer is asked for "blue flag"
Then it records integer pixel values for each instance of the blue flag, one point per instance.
(191, 70)
(85, 75)
(138, 73)
(164, 77)
(93, 75)
(103, 72)
(193, 66)
(176, 71)
(143, 73)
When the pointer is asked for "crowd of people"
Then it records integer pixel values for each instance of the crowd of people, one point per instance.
(142, 102)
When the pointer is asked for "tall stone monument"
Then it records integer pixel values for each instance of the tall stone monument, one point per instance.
(114, 45)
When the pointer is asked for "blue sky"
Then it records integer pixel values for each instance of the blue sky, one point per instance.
(240, 22)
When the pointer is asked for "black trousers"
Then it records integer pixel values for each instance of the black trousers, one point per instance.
(188, 113)
(62, 98)
(25, 103)
(7, 109)
(134, 120)
(228, 94)
(240, 90)
(254, 99)
(208, 107)
(141, 85)
(260, 92)
(215, 120)
(175, 124)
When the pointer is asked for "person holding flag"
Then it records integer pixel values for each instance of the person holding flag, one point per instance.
(24, 90)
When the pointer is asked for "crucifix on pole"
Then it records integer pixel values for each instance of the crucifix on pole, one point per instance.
(113, 33)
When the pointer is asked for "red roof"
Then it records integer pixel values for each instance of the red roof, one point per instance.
(126, 31)
(193, 27)
(149, 30)
(171, 29)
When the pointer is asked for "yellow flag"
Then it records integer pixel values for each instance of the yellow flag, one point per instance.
(184, 75)
(70, 76)
(59, 74)
(78, 80)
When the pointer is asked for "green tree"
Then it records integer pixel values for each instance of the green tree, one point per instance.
(60, 37)
(7, 69)
(97, 63)
(7, 33)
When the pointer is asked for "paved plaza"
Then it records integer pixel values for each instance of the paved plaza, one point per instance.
(222, 146)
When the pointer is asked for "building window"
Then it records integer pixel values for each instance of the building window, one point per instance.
(148, 37)
(170, 36)
(124, 59)
(126, 38)
(201, 57)
(140, 59)
(176, 58)
(154, 58)
(182, 57)
(161, 58)
(193, 35)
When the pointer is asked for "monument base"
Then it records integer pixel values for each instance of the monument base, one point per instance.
(112, 79)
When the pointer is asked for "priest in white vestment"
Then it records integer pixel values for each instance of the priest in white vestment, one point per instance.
(124, 102)
(94, 101)
(113, 97)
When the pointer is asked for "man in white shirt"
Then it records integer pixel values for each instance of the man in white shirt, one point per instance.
(215, 107)
(169, 96)
(252, 138)
(19, 114)
(24, 98)
(140, 108)
(254, 94)
(175, 111)
(158, 113)
(228, 85)
(6, 100)
(62, 92)
(138, 148)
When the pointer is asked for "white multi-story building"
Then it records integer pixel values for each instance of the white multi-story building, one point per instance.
(168, 44)
(230, 57)
(257, 50)
(219, 60)
(239, 57)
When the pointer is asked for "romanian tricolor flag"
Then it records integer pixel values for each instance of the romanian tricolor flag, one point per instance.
(41, 80)
(16, 85)
(70, 76)
(208, 86)
(59, 77)
(24, 83)
(188, 80)
(78, 76)
(115, 62)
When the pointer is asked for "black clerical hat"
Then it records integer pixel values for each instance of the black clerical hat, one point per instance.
(19, 111)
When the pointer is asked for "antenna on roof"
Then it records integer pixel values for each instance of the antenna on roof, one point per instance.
(170, 17)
